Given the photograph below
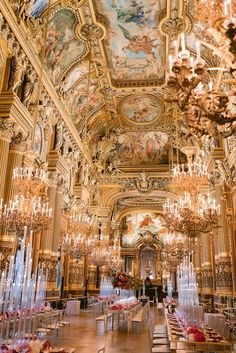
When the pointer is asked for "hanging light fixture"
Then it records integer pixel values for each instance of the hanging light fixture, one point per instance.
(189, 177)
(78, 246)
(192, 215)
(204, 108)
(219, 16)
(29, 207)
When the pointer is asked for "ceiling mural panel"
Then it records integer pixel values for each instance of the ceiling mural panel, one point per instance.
(37, 7)
(62, 47)
(137, 224)
(75, 75)
(141, 109)
(82, 99)
(143, 148)
(134, 46)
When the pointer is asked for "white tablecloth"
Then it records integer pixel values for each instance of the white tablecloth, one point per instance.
(216, 321)
(73, 307)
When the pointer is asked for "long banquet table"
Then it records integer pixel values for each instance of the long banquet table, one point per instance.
(178, 340)
(127, 312)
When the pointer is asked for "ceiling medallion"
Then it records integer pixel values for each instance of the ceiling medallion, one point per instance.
(141, 109)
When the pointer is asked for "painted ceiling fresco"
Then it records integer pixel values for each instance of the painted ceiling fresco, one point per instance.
(62, 47)
(75, 75)
(137, 224)
(143, 148)
(134, 45)
(37, 7)
(141, 109)
(82, 99)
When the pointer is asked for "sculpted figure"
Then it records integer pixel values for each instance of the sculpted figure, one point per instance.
(58, 136)
(31, 89)
(18, 70)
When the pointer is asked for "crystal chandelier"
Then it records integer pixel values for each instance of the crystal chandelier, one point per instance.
(115, 262)
(29, 207)
(218, 14)
(77, 246)
(79, 222)
(100, 250)
(205, 109)
(192, 215)
(175, 248)
(191, 176)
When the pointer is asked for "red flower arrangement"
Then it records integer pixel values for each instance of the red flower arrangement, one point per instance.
(122, 280)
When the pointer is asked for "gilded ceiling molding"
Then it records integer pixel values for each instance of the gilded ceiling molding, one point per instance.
(29, 50)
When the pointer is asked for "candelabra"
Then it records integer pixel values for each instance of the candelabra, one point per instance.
(192, 215)
(205, 110)
(29, 207)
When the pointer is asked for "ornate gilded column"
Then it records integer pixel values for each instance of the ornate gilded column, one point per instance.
(207, 278)
(224, 283)
(6, 133)
(46, 255)
(197, 264)
(75, 275)
(15, 159)
(6, 241)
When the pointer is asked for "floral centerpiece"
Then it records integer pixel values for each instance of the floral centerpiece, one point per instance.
(123, 280)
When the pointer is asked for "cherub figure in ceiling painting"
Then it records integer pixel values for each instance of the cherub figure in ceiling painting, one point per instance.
(82, 99)
(62, 47)
(37, 7)
(141, 109)
(139, 44)
(133, 226)
(133, 40)
(143, 148)
(134, 12)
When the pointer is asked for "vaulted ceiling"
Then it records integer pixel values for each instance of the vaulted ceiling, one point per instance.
(108, 60)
